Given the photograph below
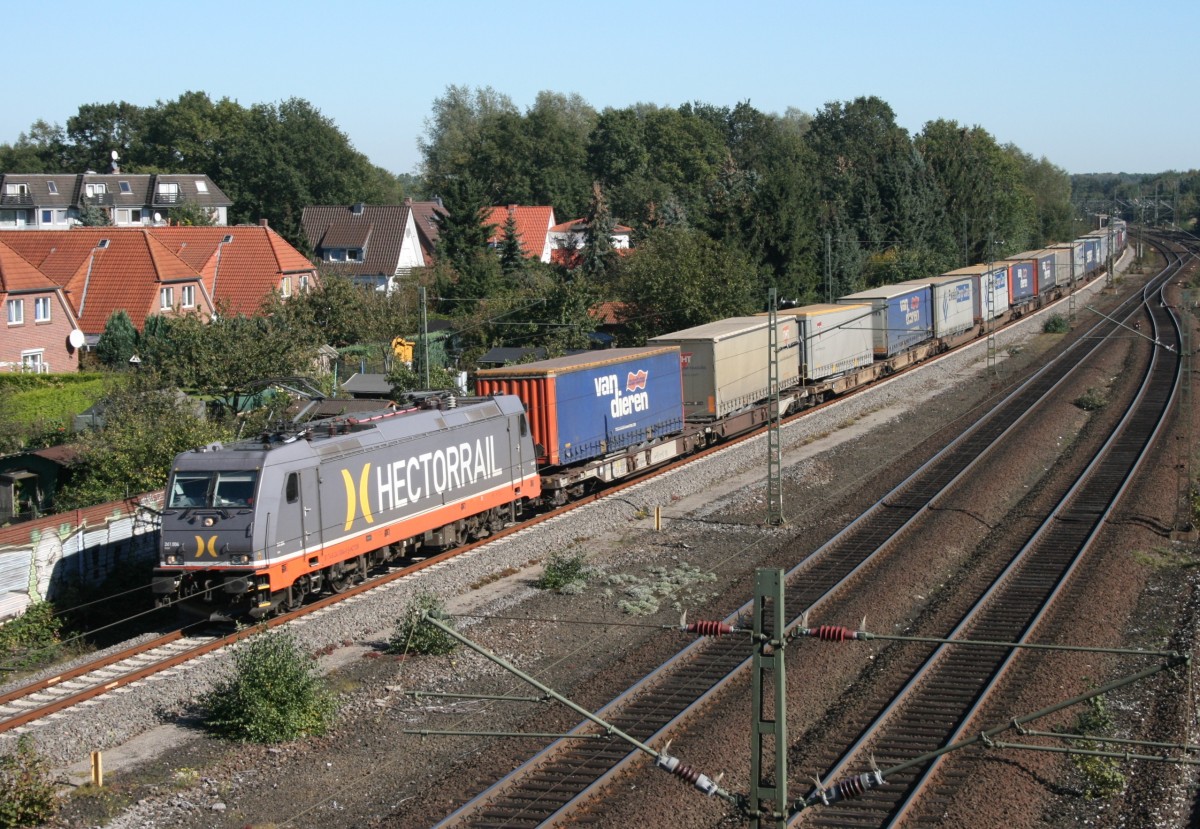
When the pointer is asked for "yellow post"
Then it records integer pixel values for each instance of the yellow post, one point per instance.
(658, 519)
(97, 769)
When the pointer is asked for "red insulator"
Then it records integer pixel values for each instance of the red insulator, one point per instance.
(709, 628)
(686, 772)
(850, 788)
(834, 633)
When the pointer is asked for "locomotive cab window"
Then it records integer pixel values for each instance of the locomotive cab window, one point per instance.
(234, 489)
(524, 426)
(293, 487)
(212, 489)
(189, 489)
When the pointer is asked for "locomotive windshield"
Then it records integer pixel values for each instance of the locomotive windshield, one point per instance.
(212, 489)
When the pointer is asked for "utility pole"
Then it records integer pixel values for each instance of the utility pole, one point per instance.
(989, 321)
(775, 417)
(769, 699)
(424, 339)
(1184, 512)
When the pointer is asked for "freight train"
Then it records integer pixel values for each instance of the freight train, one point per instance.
(253, 528)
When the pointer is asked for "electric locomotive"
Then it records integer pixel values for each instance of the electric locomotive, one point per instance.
(251, 528)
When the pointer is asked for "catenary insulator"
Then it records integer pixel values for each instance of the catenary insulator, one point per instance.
(848, 789)
(685, 772)
(833, 633)
(708, 628)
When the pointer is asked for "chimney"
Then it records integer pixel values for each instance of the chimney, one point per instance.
(512, 208)
(408, 201)
(263, 223)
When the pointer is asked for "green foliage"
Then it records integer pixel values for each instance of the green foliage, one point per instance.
(405, 379)
(145, 427)
(1057, 324)
(274, 694)
(190, 214)
(36, 409)
(564, 573)
(680, 278)
(414, 635)
(118, 342)
(26, 640)
(1092, 400)
(94, 216)
(1102, 777)
(27, 795)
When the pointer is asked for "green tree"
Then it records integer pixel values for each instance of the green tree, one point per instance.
(680, 278)
(96, 130)
(27, 789)
(598, 259)
(145, 427)
(512, 258)
(118, 342)
(190, 214)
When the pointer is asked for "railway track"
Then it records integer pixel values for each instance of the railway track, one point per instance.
(942, 697)
(565, 776)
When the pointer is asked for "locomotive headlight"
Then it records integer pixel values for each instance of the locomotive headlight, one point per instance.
(209, 521)
(172, 559)
(239, 559)
(172, 552)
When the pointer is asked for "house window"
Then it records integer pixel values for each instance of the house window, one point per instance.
(168, 191)
(125, 188)
(285, 286)
(335, 255)
(16, 189)
(303, 283)
(122, 215)
(34, 361)
(354, 255)
(12, 218)
(52, 187)
(97, 189)
(187, 296)
(47, 217)
(166, 299)
(201, 186)
(16, 312)
(41, 309)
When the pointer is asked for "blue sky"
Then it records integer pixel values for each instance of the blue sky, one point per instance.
(1085, 84)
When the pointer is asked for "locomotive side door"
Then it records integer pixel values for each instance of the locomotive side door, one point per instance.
(310, 511)
(299, 525)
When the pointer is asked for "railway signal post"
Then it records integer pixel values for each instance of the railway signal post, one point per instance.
(769, 698)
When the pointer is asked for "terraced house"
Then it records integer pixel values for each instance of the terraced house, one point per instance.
(36, 201)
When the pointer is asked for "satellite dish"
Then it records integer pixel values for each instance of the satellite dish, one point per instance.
(157, 218)
(115, 156)
(76, 338)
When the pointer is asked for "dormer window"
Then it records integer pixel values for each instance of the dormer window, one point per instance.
(168, 191)
(95, 189)
(354, 255)
(335, 255)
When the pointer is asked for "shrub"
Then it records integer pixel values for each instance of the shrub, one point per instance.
(26, 791)
(1091, 400)
(275, 694)
(413, 635)
(1101, 775)
(564, 573)
(27, 638)
(1057, 324)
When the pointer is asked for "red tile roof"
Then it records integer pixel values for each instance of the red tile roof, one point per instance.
(16, 274)
(134, 263)
(533, 223)
(608, 313)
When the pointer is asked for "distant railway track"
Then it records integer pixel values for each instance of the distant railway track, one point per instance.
(567, 776)
(944, 694)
